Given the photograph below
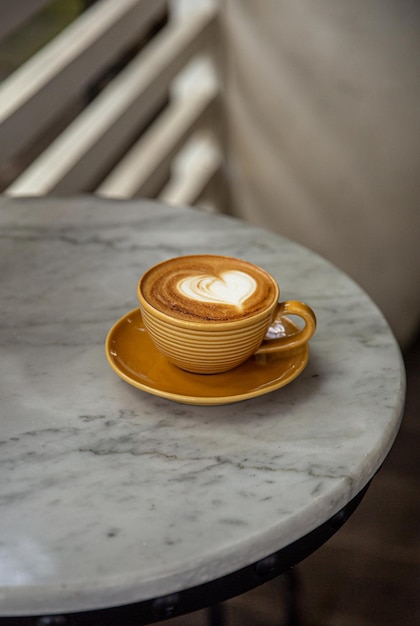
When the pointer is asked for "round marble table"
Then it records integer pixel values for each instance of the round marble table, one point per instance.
(111, 496)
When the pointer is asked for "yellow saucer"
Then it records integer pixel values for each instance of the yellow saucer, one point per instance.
(133, 356)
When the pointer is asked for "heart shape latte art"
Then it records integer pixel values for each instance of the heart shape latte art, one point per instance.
(231, 287)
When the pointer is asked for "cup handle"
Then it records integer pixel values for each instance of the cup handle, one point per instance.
(293, 340)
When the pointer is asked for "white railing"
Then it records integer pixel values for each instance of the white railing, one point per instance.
(131, 139)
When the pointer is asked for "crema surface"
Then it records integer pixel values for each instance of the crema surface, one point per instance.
(208, 288)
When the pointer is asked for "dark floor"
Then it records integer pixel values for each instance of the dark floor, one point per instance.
(368, 574)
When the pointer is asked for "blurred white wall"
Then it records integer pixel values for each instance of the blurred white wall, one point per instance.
(323, 115)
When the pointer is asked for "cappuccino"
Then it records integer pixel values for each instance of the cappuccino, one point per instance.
(209, 288)
(207, 314)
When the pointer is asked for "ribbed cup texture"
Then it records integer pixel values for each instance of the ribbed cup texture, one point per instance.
(206, 349)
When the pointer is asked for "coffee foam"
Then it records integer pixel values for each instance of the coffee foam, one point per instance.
(207, 287)
(231, 287)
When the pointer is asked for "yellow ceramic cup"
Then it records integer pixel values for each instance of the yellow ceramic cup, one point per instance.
(209, 347)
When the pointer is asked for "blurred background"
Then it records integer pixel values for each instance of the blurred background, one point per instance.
(300, 116)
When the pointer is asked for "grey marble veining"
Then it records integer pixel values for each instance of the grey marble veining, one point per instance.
(109, 495)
